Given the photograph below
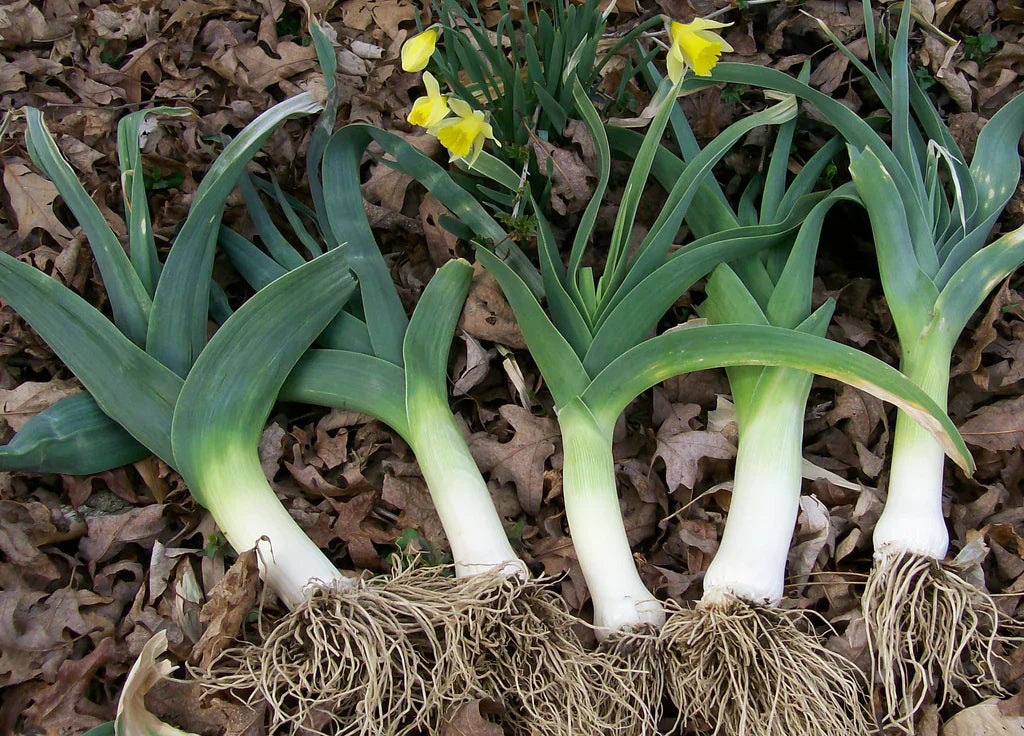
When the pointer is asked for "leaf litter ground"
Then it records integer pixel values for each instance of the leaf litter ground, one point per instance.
(91, 567)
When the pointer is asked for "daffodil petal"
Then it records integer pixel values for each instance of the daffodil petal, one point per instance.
(416, 52)
(704, 24)
(676, 64)
(460, 108)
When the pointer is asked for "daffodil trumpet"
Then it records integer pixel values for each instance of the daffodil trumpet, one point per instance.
(694, 46)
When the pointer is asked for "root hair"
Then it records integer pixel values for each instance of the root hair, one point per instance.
(743, 670)
(520, 647)
(928, 631)
(347, 662)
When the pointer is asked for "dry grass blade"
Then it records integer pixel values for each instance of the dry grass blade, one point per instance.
(741, 670)
(929, 630)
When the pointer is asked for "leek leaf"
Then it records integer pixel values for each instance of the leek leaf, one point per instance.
(177, 325)
(72, 436)
(636, 316)
(129, 300)
(142, 250)
(127, 384)
(911, 293)
(555, 357)
(714, 346)
(345, 379)
(973, 281)
(232, 386)
(429, 337)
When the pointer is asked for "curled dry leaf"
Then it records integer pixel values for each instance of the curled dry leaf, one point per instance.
(133, 717)
(226, 607)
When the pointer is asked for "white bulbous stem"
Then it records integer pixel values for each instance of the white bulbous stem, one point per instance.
(912, 519)
(621, 600)
(250, 515)
(460, 495)
(750, 564)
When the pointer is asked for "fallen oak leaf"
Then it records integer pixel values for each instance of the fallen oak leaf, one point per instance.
(32, 199)
(522, 459)
(682, 447)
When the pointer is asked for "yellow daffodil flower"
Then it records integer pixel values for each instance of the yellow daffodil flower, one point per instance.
(465, 134)
(416, 52)
(695, 46)
(432, 108)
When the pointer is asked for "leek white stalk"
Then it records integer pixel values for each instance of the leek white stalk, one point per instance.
(912, 519)
(750, 562)
(471, 523)
(248, 512)
(621, 600)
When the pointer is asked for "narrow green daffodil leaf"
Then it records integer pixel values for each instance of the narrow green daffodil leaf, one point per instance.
(857, 132)
(715, 346)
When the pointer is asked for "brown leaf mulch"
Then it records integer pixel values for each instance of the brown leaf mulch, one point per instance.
(92, 567)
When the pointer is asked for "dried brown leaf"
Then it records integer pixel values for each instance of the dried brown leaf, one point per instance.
(984, 719)
(487, 314)
(470, 719)
(226, 607)
(682, 448)
(32, 199)
(522, 459)
(20, 404)
(998, 426)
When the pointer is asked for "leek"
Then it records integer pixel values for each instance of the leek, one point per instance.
(592, 353)
(141, 397)
(931, 214)
(378, 363)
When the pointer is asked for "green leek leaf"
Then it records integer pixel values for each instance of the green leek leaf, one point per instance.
(714, 346)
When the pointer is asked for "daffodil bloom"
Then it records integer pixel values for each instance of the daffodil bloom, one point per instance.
(432, 108)
(465, 134)
(695, 46)
(416, 52)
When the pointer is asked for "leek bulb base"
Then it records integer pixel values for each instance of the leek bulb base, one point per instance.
(471, 523)
(750, 563)
(231, 485)
(621, 600)
(912, 519)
